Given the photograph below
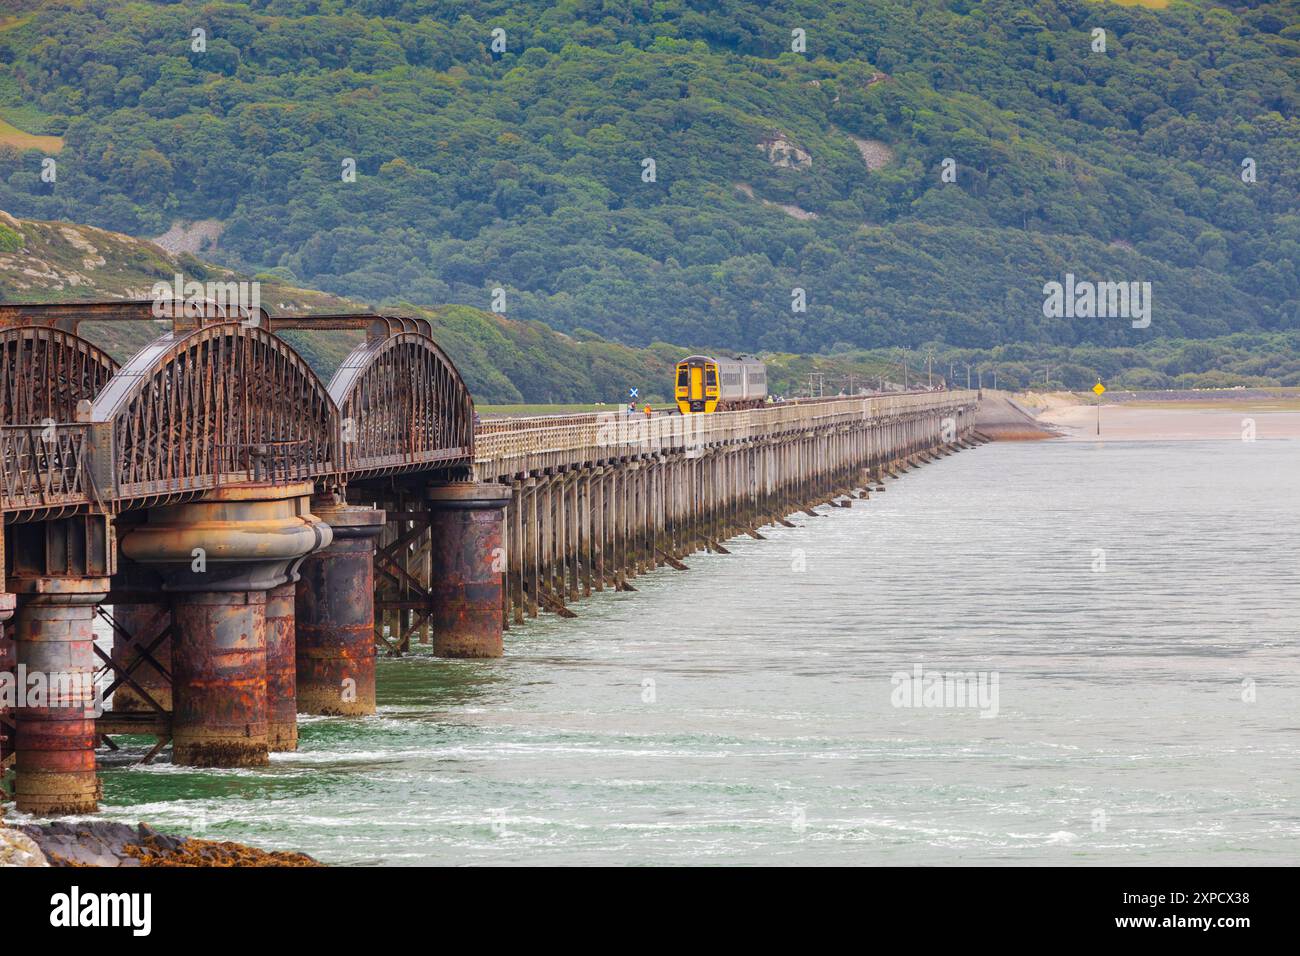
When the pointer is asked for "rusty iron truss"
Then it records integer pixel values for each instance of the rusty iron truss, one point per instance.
(215, 401)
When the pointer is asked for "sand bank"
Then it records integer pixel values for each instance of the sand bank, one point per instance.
(1128, 423)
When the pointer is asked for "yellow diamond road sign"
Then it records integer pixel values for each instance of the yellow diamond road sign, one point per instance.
(1099, 388)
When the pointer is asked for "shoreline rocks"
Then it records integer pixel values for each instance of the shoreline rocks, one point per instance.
(105, 843)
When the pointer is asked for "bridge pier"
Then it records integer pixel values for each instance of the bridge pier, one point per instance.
(605, 500)
(54, 744)
(59, 570)
(281, 669)
(219, 557)
(335, 613)
(469, 558)
(8, 602)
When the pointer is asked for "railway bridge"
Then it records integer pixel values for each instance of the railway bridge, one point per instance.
(252, 535)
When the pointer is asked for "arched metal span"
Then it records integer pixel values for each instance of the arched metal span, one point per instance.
(45, 372)
(401, 403)
(224, 404)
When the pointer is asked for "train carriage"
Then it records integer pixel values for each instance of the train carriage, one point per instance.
(706, 384)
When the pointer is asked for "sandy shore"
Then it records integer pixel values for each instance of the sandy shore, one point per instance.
(1078, 422)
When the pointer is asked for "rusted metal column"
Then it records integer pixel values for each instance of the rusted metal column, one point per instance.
(54, 743)
(281, 670)
(143, 622)
(218, 557)
(7, 660)
(466, 522)
(219, 711)
(334, 618)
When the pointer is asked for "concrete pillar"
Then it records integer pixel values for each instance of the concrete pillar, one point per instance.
(334, 616)
(54, 744)
(218, 557)
(466, 525)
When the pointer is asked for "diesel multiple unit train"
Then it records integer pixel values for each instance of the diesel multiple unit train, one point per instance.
(706, 384)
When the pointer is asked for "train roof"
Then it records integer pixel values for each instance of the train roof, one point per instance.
(746, 360)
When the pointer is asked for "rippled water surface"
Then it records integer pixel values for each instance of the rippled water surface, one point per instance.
(740, 712)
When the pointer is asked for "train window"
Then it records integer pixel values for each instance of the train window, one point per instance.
(711, 376)
(683, 377)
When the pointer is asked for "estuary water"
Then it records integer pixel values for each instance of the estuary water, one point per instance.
(1130, 612)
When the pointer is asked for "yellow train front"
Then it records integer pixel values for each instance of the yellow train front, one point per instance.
(706, 385)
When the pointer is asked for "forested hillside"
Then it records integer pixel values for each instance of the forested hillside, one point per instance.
(773, 170)
(503, 360)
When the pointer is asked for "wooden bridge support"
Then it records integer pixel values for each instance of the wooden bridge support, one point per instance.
(601, 520)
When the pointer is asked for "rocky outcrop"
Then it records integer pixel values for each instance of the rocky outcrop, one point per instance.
(795, 212)
(18, 849)
(104, 843)
(784, 154)
(874, 153)
(195, 237)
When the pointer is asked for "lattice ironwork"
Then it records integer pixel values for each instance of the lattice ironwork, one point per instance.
(45, 372)
(401, 403)
(227, 403)
(44, 466)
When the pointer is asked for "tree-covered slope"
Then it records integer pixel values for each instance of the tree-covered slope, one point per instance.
(819, 170)
(503, 360)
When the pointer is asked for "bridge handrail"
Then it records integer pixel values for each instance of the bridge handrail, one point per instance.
(616, 430)
(44, 466)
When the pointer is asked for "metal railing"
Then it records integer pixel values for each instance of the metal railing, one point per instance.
(44, 466)
(615, 431)
(50, 466)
